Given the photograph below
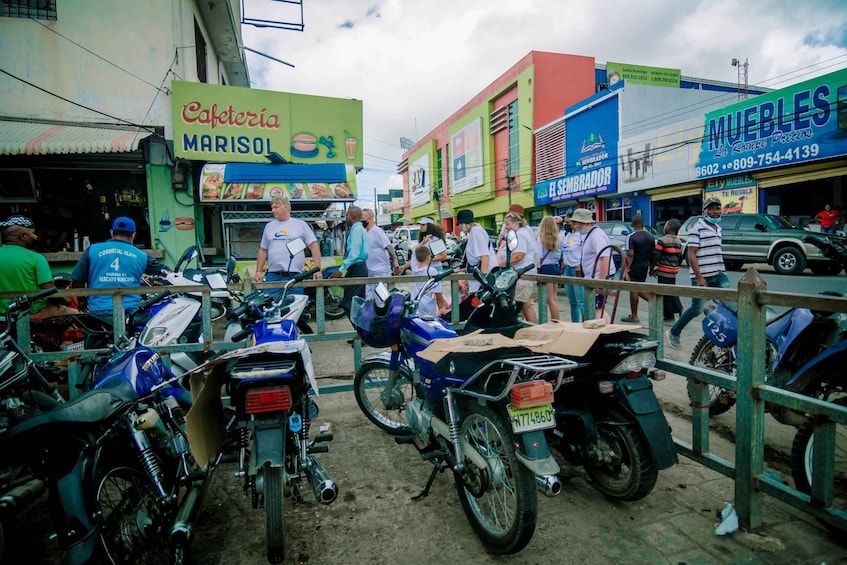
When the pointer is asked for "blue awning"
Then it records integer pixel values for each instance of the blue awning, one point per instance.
(265, 173)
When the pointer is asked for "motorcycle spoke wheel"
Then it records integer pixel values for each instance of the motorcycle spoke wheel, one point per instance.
(133, 525)
(631, 474)
(386, 409)
(274, 520)
(505, 512)
(707, 354)
(802, 465)
(332, 303)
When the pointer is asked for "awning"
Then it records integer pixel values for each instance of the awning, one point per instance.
(43, 138)
(262, 182)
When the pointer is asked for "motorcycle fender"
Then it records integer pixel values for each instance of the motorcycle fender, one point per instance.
(532, 451)
(636, 397)
(268, 445)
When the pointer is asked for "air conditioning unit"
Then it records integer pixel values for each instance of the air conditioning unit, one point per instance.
(17, 186)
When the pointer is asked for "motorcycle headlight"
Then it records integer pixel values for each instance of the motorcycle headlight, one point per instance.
(153, 335)
(635, 363)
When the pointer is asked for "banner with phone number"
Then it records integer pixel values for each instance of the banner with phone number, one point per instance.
(797, 124)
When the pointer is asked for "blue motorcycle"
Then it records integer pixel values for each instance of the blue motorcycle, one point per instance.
(480, 411)
(122, 483)
(794, 338)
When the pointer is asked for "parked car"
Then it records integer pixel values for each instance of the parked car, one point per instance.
(765, 238)
(405, 240)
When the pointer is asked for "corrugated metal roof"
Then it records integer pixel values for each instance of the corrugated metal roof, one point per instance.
(40, 138)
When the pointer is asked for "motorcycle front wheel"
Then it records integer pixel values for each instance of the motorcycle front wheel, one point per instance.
(132, 525)
(332, 302)
(631, 474)
(385, 408)
(707, 354)
(801, 466)
(500, 501)
(273, 480)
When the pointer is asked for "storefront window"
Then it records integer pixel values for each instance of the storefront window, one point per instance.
(619, 209)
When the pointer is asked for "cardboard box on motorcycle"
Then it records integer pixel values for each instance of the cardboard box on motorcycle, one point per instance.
(568, 338)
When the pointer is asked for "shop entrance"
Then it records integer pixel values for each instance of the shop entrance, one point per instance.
(799, 202)
(680, 208)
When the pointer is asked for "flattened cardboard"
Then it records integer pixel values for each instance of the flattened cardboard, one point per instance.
(476, 342)
(568, 338)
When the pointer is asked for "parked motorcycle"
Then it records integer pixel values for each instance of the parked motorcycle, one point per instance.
(24, 393)
(271, 410)
(793, 338)
(480, 414)
(121, 481)
(831, 246)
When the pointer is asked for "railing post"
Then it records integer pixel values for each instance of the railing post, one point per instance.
(542, 302)
(750, 408)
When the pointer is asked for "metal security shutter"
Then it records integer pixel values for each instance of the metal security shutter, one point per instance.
(679, 191)
(780, 177)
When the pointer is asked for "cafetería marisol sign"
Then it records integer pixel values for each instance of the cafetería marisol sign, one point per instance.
(235, 124)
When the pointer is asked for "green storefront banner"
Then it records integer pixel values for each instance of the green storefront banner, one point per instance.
(234, 124)
(640, 74)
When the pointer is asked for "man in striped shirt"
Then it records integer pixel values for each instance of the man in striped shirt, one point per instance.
(705, 258)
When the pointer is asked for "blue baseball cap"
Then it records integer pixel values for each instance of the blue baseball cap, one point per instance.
(124, 224)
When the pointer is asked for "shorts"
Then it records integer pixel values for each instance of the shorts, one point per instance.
(638, 273)
(549, 270)
(525, 291)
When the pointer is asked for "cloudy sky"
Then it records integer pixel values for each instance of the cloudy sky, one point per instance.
(414, 62)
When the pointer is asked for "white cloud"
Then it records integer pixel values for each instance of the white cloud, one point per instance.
(415, 62)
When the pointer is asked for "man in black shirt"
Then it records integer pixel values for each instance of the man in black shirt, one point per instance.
(639, 251)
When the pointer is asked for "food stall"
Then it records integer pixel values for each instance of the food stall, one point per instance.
(242, 192)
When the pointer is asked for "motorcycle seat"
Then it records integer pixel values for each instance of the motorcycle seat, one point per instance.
(771, 315)
(94, 409)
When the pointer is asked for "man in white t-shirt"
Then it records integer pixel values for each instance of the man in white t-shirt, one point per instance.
(277, 233)
(596, 260)
(382, 259)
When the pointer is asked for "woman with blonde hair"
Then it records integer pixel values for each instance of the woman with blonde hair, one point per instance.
(549, 251)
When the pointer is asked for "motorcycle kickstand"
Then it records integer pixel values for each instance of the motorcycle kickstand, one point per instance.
(438, 468)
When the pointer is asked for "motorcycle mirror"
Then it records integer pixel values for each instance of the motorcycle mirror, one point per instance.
(295, 246)
(511, 240)
(437, 247)
(230, 268)
(190, 253)
(215, 281)
(381, 291)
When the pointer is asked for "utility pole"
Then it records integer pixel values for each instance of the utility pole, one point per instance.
(743, 68)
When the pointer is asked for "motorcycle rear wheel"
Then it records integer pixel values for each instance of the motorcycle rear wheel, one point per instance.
(504, 514)
(133, 525)
(722, 359)
(801, 466)
(372, 395)
(632, 474)
(273, 480)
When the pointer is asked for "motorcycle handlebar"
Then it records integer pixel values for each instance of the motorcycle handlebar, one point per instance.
(243, 334)
(24, 302)
(305, 274)
(526, 268)
(147, 303)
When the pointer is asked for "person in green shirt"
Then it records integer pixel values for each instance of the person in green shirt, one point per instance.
(24, 270)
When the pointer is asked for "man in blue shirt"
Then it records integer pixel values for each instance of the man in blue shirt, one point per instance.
(355, 257)
(115, 263)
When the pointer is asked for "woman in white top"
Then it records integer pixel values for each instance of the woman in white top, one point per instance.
(478, 253)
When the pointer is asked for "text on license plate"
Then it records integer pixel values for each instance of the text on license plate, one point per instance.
(529, 419)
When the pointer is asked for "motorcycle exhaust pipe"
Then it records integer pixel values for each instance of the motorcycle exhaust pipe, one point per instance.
(324, 488)
(183, 527)
(20, 497)
(548, 485)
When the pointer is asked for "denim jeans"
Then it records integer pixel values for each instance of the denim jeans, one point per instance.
(576, 295)
(715, 281)
(830, 230)
(273, 277)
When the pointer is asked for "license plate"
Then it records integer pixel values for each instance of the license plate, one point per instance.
(530, 419)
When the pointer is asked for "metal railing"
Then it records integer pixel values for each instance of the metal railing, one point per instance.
(752, 392)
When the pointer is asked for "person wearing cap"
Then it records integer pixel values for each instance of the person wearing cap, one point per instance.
(705, 260)
(429, 232)
(596, 260)
(24, 270)
(478, 254)
(115, 263)
(572, 255)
